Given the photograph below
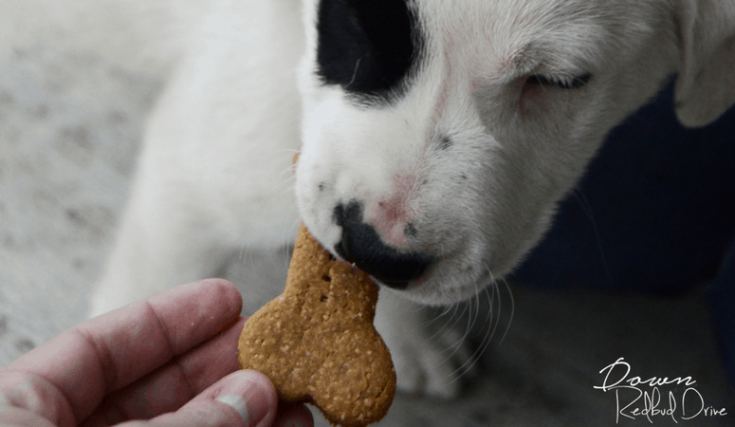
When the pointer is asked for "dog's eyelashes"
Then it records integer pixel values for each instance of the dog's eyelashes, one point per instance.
(566, 83)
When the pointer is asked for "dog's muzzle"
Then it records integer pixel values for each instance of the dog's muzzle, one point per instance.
(361, 244)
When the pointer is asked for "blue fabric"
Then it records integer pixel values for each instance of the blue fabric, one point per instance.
(655, 213)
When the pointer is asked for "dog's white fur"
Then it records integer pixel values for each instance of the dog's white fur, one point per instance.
(215, 171)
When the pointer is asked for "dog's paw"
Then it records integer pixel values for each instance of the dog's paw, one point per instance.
(438, 369)
(427, 362)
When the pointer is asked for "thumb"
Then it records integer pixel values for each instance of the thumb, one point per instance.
(249, 393)
(241, 399)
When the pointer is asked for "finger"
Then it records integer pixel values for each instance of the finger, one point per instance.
(21, 404)
(242, 399)
(170, 387)
(111, 351)
(16, 417)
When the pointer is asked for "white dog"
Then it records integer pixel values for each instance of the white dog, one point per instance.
(436, 137)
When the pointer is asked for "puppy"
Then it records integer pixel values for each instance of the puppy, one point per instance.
(436, 137)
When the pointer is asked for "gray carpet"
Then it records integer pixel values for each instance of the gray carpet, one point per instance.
(70, 127)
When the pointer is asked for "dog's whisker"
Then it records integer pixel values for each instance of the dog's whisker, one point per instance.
(448, 325)
(475, 297)
(294, 227)
(286, 150)
(587, 209)
(489, 317)
(289, 171)
(354, 73)
(512, 310)
(474, 358)
(490, 320)
(487, 336)
(497, 315)
(287, 187)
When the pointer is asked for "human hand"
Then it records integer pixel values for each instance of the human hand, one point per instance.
(169, 360)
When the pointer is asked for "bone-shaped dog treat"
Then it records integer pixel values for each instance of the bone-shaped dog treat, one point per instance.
(317, 343)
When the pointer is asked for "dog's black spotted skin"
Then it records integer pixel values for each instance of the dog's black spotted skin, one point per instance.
(368, 48)
(362, 245)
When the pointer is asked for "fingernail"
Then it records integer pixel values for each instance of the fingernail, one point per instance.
(237, 403)
(252, 405)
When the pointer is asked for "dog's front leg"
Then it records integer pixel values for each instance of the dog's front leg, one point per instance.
(195, 201)
(160, 244)
(425, 362)
(215, 173)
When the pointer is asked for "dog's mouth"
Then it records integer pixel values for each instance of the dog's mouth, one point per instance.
(424, 278)
(361, 245)
(429, 275)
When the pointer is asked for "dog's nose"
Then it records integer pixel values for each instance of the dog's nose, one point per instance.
(361, 244)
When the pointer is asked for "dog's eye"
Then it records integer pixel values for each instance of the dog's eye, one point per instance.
(367, 47)
(566, 83)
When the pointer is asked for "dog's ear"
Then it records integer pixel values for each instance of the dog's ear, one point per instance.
(705, 87)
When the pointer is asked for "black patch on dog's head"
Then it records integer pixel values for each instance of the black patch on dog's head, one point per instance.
(367, 46)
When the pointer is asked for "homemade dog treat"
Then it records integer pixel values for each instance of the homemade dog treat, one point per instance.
(317, 343)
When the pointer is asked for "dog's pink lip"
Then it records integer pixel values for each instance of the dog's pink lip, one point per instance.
(424, 276)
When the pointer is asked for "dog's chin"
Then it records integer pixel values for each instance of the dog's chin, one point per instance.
(446, 291)
(465, 267)
(447, 282)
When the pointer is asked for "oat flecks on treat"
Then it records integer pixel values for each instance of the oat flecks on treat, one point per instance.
(317, 343)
